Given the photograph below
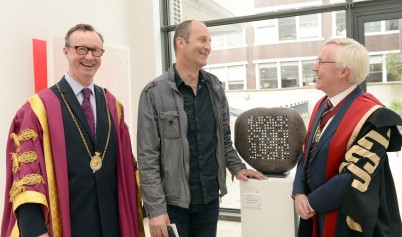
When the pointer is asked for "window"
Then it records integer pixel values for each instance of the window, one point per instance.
(266, 34)
(394, 66)
(286, 74)
(289, 28)
(375, 74)
(220, 72)
(376, 27)
(340, 24)
(227, 38)
(309, 27)
(308, 77)
(232, 77)
(236, 77)
(289, 74)
(391, 25)
(267, 61)
(268, 75)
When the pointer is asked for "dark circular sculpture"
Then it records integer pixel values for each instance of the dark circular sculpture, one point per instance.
(270, 139)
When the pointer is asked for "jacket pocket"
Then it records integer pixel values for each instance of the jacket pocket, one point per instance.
(169, 124)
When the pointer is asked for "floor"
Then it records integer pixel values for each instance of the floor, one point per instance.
(225, 228)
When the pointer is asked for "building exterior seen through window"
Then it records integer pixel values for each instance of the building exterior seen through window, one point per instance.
(267, 63)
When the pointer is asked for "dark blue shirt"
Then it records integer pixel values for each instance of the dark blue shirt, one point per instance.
(201, 137)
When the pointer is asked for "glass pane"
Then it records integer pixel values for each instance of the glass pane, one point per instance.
(386, 70)
(391, 25)
(309, 26)
(394, 67)
(220, 72)
(236, 75)
(235, 38)
(181, 10)
(287, 28)
(289, 74)
(307, 74)
(270, 61)
(268, 76)
(217, 40)
(379, 27)
(371, 27)
(340, 19)
(226, 37)
(375, 69)
(265, 34)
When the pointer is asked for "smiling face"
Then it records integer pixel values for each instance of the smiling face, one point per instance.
(331, 79)
(196, 49)
(82, 68)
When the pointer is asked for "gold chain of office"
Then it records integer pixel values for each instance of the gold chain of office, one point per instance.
(96, 159)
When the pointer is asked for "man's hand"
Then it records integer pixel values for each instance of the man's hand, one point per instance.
(44, 235)
(302, 207)
(158, 226)
(246, 173)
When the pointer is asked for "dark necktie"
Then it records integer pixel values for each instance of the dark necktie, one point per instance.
(86, 106)
(324, 119)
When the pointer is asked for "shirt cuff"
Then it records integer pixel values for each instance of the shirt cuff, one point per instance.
(311, 209)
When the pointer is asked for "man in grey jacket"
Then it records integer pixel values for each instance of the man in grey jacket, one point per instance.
(184, 143)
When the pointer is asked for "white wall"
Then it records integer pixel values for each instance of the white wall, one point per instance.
(130, 23)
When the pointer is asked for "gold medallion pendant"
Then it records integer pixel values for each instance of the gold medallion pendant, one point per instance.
(96, 162)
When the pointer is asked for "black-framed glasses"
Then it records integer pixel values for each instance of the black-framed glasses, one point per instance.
(320, 62)
(82, 50)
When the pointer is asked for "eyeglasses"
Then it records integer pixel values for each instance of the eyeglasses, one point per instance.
(320, 62)
(82, 50)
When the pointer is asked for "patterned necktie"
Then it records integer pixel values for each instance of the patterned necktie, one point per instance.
(324, 119)
(86, 106)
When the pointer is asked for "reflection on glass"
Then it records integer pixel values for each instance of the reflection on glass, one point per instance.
(287, 28)
(289, 74)
(236, 76)
(309, 26)
(232, 77)
(391, 25)
(268, 75)
(394, 67)
(381, 26)
(376, 70)
(340, 21)
(226, 37)
(266, 34)
(218, 9)
(308, 78)
(260, 58)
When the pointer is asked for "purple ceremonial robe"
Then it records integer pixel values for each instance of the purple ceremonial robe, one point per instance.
(37, 173)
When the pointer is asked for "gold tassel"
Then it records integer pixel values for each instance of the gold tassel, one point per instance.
(15, 191)
(16, 164)
(25, 157)
(19, 185)
(24, 135)
(16, 140)
(28, 134)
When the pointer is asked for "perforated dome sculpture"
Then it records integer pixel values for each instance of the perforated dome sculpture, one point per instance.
(270, 139)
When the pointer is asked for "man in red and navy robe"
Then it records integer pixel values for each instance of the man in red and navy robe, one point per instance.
(343, 185)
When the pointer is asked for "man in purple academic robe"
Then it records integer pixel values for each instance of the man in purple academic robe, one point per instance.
(64, 179)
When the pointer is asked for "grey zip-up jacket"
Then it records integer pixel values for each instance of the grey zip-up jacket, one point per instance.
(162, 145)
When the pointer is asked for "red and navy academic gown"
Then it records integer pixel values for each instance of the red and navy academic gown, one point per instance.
(352, 189)
(47, 164)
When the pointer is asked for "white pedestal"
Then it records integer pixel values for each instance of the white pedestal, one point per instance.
(267, 208)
